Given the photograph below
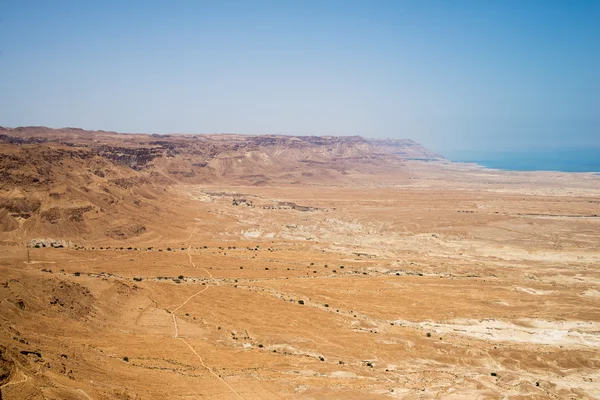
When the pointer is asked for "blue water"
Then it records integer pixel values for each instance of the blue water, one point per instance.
(587, 160)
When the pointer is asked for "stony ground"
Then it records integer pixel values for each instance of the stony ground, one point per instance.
(463, 284)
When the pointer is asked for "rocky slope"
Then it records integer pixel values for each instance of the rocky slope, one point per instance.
(406, 149)
(74, 182)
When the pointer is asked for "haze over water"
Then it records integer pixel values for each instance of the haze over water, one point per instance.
(580, 160)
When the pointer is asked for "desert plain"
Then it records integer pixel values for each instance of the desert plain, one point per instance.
(239, 267)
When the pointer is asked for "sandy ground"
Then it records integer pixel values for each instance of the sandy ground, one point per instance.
(475, 284)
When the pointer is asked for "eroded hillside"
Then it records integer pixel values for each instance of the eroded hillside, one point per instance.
(229, 266)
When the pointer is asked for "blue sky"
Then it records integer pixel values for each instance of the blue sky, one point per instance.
(453, 75)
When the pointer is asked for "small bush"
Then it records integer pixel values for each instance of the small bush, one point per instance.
(180, 277)
(126, 359)
(77, 273)
(301, 302)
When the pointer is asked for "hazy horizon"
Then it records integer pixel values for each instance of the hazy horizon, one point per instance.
(453, 76)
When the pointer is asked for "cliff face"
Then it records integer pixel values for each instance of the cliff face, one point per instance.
(203, 158)
(57, 179)
(406, 149)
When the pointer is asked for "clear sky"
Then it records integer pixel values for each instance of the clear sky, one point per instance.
(451, 74)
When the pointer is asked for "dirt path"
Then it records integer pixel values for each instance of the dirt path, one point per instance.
(210, 370)
(190, 248)
(84, 393)
(176, 327)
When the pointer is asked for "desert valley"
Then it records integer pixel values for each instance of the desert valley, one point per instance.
(276, 267)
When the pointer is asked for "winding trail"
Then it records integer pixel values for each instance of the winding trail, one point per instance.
(176, 327)
(190, 248)
(210, 370)
(189, 298)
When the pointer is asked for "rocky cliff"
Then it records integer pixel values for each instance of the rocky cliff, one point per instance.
(406, 149)
(52, 180)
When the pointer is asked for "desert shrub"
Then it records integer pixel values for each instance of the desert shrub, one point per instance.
(180, 277)
(126, 359)
(77, 273)
(301, 302)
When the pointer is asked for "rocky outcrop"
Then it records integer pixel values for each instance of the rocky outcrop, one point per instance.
(135, 158)
(49, 242)
(126, 232)
(406, 149)
(7, 222)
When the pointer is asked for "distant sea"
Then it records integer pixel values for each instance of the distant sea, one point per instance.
(585, 160)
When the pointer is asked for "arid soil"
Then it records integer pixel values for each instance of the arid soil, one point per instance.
(380, 277)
